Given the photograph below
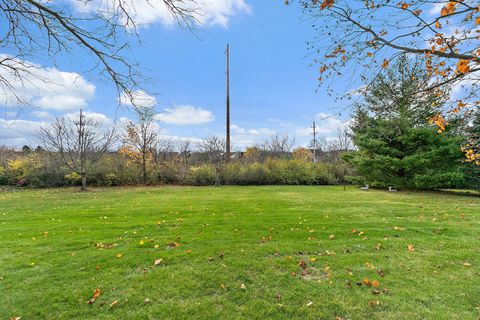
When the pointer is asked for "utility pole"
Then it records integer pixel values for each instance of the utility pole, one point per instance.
(228, 103)
(314, 142)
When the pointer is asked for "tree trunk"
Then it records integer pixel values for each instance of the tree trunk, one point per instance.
(84, 182)
(144, 168)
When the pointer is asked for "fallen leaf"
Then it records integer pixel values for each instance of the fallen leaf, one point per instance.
(374, 303)
(96, 294)
(411, 248)
(173, 244)
(105, 245)
(158, 262)
(309, 303)
(331, 237)
(113, 304)
(375, 283)
(302, 264)
(243, 287)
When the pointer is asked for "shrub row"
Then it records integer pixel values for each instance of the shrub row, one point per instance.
(43, 171)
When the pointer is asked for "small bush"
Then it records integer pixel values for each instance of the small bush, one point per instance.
(112, 179)
(73, 179)
(201, 176)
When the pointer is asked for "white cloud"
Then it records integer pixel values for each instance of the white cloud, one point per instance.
(97, 117)
(42, 114)
(436, 8)
(185, 115)
(325, 124)
(43, 87)
(146, 12)
(140, 99)
(237, 130)
(243, 137)
(17, 133)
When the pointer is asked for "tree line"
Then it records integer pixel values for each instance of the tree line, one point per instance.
(389, 143)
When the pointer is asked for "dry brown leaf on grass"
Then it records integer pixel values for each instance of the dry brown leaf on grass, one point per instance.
(173, 244)
(302, 264)
(157, 262)
(374, 303)
(95, 295)
(105, 245)
(411, 248)
(113, 304)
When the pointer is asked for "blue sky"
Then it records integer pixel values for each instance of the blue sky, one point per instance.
(273, 86)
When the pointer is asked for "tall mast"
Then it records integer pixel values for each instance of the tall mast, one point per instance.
(228, 104)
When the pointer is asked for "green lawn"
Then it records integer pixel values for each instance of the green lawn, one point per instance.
(240, 254)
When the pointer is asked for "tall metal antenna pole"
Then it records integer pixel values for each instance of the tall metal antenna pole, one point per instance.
(228, 103)
(314, 142)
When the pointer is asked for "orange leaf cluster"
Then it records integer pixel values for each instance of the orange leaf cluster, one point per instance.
(325, 4)
(471, 155)
(449, 8)
(440, 121)
(463, 66)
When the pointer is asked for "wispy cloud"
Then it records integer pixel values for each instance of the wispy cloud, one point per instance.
(206, 13)
(185, 115)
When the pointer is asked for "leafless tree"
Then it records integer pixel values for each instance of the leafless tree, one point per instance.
(6, 154)
(185, 153)
(80, 141)
(100, 29)
(342, 141)
(213, 149)
(165, 149)
(142, 137)
(278, 145)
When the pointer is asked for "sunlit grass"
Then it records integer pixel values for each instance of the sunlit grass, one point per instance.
(239, 254)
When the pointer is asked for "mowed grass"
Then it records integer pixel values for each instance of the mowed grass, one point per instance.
(229, 236)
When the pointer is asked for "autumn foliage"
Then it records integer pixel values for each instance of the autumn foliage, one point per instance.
(365, 37)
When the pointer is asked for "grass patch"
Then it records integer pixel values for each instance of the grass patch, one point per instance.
(236, 252)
